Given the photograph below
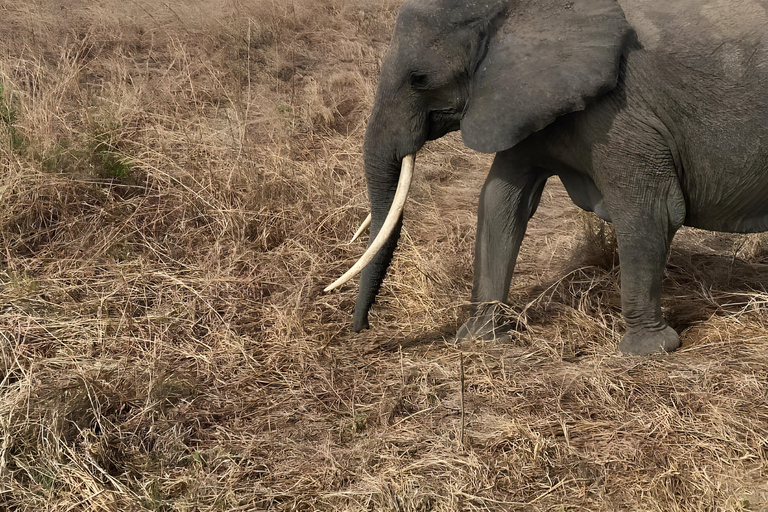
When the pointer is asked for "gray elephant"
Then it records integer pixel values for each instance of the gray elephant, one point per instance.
(653, 113)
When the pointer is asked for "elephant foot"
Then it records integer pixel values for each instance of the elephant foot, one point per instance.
(487, 324)
(643, 342)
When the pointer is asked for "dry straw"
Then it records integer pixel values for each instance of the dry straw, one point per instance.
(180, 179)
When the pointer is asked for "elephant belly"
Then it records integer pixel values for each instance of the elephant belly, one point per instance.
(727, 190)
(585, 194)
(743, 213)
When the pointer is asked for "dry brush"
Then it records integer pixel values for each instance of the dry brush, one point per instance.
(179, 180)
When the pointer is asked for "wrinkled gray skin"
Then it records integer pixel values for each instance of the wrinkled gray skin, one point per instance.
(654, 114)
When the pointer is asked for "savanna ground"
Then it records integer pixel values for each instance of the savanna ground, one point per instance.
(179, 182)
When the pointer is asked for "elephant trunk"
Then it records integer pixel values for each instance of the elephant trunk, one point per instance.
(391, 220)
(388, 153)
(382, 178)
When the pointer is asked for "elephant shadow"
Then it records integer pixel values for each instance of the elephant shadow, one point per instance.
(696, 286)
(438, 335)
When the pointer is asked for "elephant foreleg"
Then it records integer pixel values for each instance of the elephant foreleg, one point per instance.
(508, 200)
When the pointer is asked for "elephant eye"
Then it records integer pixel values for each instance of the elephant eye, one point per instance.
(418, 80)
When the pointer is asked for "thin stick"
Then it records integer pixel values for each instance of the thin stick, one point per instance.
(461, 366)
(402, 369)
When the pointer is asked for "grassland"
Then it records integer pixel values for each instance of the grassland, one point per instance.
(178, 183)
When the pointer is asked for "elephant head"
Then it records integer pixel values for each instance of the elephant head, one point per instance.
(498, 70)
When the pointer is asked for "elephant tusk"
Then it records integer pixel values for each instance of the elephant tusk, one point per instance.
(403, 184)
(363, 227)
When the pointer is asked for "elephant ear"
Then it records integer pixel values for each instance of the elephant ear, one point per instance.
(546, 58)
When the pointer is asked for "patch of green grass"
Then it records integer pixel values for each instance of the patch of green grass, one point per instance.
(95, 153)
(359, 423)
(120, 252)
(23, 284)
(7, 112)
(56, 159)
(8, 120)
(107, 161)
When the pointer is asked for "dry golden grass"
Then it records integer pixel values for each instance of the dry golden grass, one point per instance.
(179, 180)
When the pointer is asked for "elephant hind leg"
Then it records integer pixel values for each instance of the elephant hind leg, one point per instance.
(647, 206)
(644, 240)
(509, 198)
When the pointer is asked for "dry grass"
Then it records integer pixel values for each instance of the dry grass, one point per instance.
(178, 183)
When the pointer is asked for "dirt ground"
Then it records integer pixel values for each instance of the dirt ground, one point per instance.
(179, 181)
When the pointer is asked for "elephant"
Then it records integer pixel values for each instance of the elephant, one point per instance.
(653, 114)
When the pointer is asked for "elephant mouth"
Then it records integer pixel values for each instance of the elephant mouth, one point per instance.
(395, 210)
(442, 122)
